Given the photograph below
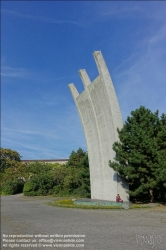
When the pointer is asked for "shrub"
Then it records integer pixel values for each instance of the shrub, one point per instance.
(59, 180)
(30, 188)
(39, 185)
(11, 187)
(82, 191)
(38, 168)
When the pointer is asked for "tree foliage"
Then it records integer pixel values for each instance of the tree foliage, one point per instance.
(11, 187)
(71, 179)
(37, 168)
(13, 172)
(141, 153)
(18, 171)
(39, 178)
(78, 159)
(41, 184)
(8, 158)
(75, 175)
(78, 179)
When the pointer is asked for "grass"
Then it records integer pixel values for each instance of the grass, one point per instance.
(139, 206)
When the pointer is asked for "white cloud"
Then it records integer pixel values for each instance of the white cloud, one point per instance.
(42, 19)
(10, 72)
(34, 151)
(20, 133)
(54, 140)
(141, 77)
(121, 12)
(160, 36)
(137, 9)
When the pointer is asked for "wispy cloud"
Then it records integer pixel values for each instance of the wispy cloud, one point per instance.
(141, 77)
(135, 9)
(41, 18)
(160, 36)
(121, 11)
(7, 71)
(23, 133)
(56, 79)
(30, 138)
(34, 151)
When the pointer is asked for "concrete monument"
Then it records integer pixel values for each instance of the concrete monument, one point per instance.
(100, 115)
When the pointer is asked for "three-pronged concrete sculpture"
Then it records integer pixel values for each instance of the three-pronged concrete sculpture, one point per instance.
(100, 116)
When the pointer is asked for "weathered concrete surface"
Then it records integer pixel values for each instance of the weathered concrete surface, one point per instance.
(100, 115)
(103, 229)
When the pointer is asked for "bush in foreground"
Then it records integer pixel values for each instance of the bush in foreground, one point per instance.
(39, 185)
(11, 187)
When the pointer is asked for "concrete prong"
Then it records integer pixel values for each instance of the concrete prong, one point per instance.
(73, 90)
(100, 62)
(84, 77)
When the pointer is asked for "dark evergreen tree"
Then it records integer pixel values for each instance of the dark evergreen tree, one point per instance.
(141, 154)
(78, 158)
(78, 178)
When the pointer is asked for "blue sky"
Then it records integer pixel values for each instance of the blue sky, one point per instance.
(44, 44)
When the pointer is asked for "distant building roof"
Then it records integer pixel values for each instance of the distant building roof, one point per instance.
(49, 161)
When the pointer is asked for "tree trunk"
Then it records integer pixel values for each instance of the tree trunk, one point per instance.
(151, 195)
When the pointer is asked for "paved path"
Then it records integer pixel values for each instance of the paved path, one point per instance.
(103, 229)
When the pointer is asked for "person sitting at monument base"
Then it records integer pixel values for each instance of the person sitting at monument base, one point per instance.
(118, 199)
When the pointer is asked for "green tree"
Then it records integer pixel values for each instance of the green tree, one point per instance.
(37, 167)
(13, 172)
(77, 159)
(73, 178)
(141, 153)
(161, 157)
(8, 158)
(18, 171)
(78, 179)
